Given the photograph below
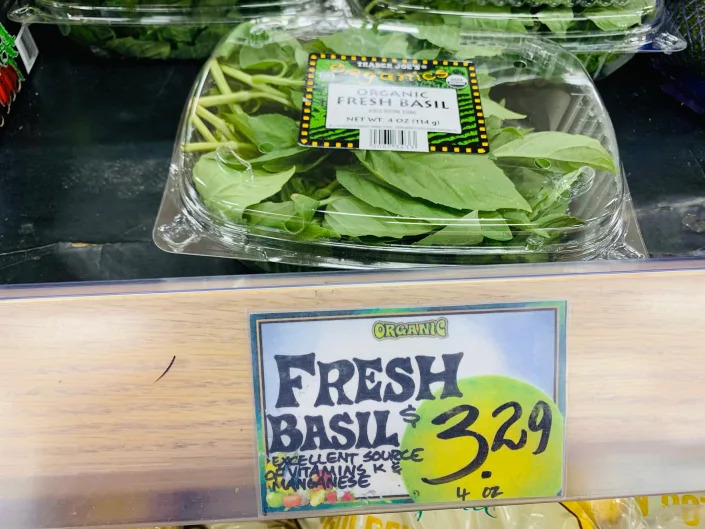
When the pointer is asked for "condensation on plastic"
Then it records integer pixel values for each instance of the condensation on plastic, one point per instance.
(534, 77)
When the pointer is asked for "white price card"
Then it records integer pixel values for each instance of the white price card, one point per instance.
(412, 405)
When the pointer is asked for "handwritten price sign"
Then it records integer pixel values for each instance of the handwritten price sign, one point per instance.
(486, 445)
(421, 405)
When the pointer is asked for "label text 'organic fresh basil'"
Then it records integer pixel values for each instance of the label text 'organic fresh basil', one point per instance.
(381, 103)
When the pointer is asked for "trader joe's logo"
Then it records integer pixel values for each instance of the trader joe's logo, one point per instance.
(387, 329)
(347, 417)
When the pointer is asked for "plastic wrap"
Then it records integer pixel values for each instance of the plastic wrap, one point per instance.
(669, 511)
(567, 515)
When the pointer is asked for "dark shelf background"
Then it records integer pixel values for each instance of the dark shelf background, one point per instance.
(85, 153)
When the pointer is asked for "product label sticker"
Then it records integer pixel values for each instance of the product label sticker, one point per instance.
(382, 103)
(420, 405)
(27, 48)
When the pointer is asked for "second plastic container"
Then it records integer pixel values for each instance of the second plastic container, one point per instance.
(152, 29)
(604, 34)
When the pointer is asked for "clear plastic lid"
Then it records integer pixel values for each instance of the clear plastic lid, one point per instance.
(581, 25)
(154, 13)
(154, 29)
(246, 182)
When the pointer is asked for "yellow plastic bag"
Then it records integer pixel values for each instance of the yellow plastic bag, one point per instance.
(567, 515)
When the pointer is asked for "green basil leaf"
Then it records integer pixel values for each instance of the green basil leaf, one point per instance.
(304, 206)
(572, 150)
(361, 184)
(617, 18)
(465, 232)
(276, 215)
(178, 33)
(545, 227)
(277, 155)
(429, 54)
(235, 39)
(351, 216)
(442, 36)
(557, 20)
(517, 219)
(506, 135)
(367, 42)
(314, 230)
(489, 18)
(297, 97)
(293, 216)
(494, 226)
(307, 186)
(528, 181)
(228, 190)
(557, 220)
(470, 51)
(132, 47)
(91, 35)
(494, 126)
(275, 131)
(491, 108)
(470, 182)
(485, 82)
(272, 55)
(556, 194)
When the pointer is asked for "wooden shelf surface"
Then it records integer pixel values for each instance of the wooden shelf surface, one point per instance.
(91, 437)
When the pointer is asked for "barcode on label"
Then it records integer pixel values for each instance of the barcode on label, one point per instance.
(27, 48)
(394, 140)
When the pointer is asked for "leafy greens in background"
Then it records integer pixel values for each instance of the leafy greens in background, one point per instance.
(556, 16)
(151, 42)
(164, 41)
(552, 18)
(249, 169)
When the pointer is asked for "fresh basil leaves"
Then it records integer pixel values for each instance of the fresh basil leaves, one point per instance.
(151, 42)
(567, 21)
(249, 169)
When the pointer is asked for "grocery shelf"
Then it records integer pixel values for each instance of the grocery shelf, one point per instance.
(83, 170)
(93, 436)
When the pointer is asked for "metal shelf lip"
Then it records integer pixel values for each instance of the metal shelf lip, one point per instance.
(91, 438)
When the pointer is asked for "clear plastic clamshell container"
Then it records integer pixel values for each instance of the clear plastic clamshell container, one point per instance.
(603, 33)
(153, 29)
(245, 183)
